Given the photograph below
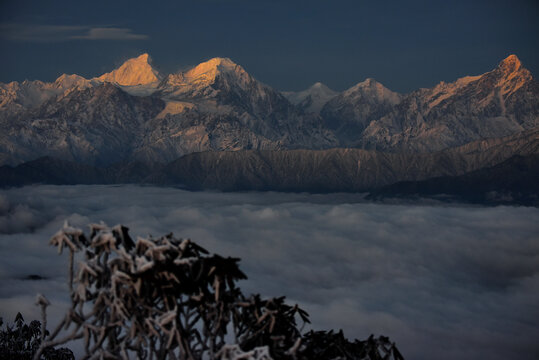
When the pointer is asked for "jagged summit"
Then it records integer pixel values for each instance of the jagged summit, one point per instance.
(318, 85)
(208, 78)
(214, 63)
(372, 89)
(208, 70)
(368, 82)
(135, 71)
(70, 80)
(509, 76)
(321, 89)
(510, 64)
(505, 79)
(311, 99)
(217, 105)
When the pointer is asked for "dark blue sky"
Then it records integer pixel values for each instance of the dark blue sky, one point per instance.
(286, 44)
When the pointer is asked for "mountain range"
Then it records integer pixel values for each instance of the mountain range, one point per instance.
(217, 121)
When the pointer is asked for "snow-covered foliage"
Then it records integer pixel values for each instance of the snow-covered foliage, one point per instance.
(161, 297)
(233, 352)
(167, 298)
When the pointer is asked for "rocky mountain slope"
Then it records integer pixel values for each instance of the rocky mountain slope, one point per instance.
(16, 98)
(134, 113)
(218, 106)
(346, 170)
(129, 114)
(514, 181)
(496, 104)
(349, 113)
(49, 170)
(335, 169)
(95, 125)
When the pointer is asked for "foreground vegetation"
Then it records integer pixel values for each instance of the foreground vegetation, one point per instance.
(167, 298)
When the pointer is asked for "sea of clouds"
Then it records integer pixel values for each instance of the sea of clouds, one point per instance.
(444, 282)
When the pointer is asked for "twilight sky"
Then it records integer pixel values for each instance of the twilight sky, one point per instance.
(286, 44)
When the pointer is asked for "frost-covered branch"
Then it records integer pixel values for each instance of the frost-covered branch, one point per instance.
(168, 298)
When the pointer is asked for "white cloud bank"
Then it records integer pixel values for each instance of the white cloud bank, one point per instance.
(442, 282)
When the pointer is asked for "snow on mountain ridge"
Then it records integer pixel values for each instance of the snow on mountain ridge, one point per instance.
(512, 75)
(505, 79)
(510, 64)
(497, 103)
(16, 96)
(135, 76)
(350, 112)
(208, 70)
(66, 81)
(372, 88)
(135, 71)
(219, 79)
(311, 99)
(203, 75)
(444, 90)
(217, 105)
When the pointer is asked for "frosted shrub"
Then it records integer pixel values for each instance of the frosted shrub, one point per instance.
(157, 298)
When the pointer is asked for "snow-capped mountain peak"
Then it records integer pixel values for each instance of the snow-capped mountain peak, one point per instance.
(311, 99)
(209, 69)
(319, 85)
(372, 89)
(15, 96)
(321, 88)
(202, 74)
(217, 105)
(207, 78)
(350, 112)
(510, 64)
(511, 75)
(205, 73)
(504, 80)
(135, 71)
(68, 81)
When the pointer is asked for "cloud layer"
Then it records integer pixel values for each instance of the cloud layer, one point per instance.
(442, 282)
(59, 33)
(109, 33)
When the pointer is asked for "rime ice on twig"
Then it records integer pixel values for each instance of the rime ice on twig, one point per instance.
(167, 298)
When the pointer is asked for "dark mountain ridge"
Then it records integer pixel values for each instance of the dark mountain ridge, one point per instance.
(316, 171)
(514, 181)
(334, 170)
